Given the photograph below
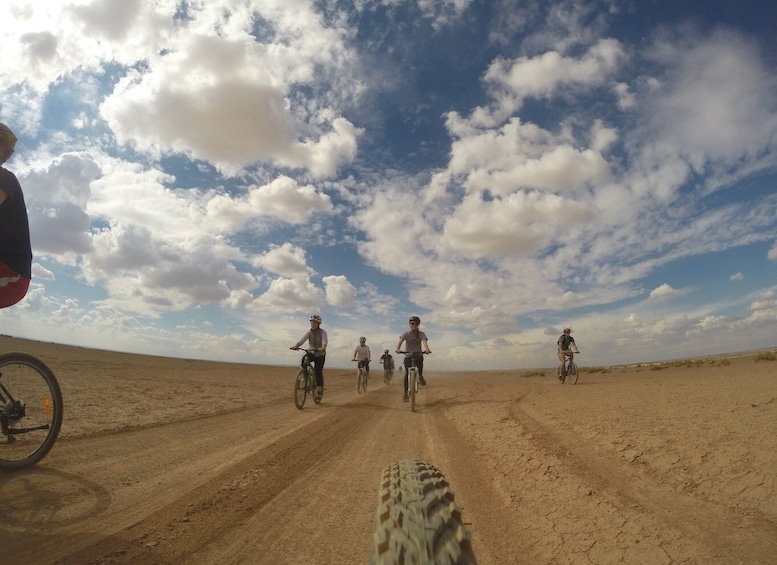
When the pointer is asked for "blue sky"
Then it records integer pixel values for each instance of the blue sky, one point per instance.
(201, 177)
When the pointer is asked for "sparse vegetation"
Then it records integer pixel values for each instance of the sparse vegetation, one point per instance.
(537, 373)
(767, 356)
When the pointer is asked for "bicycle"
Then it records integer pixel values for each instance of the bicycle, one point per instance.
(361, 376)
(30, 410)
(388, 372)
(417, 519)
(305, 383)
(412, 378)
(570, 369)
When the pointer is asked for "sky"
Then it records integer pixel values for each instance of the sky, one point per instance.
(203, 176)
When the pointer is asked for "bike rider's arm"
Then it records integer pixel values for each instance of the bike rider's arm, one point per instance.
(399, 345)
(301, 341)
(426, 347)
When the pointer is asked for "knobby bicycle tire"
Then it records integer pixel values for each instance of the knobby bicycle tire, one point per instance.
(412, 381)
(572, 373)
(416, 518)
(28, 439)
(300, 388)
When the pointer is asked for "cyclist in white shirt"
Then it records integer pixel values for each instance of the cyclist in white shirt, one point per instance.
(362, 355)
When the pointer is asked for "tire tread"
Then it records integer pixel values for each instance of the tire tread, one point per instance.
(417, 520)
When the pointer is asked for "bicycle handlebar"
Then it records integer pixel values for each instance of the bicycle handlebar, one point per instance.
(407, 354)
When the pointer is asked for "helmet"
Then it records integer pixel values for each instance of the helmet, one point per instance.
(315, 318)
(567, 330)
(415, 319)
(7, 137)
(362, 338)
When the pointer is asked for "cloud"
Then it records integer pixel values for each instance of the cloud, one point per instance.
(56, 198)
(286, 260)
(107, 19)
(282, 198)
(284, 295)
(763, 301)
(662, 292)
(717, 99)
(521, 224)
(339, 292)
(545, 75)
(737, 277)
(772, 253)
(518, 155)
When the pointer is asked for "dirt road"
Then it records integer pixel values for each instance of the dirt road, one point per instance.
(169, 461)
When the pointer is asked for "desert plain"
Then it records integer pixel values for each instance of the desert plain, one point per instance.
(168, 461)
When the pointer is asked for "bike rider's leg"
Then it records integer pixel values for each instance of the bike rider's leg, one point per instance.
(561, 365)
(319, 369)
(419, 362)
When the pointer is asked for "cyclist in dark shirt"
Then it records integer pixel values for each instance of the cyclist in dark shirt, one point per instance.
(416, 343)
(15, 247)
(565, 342)
(387, 360)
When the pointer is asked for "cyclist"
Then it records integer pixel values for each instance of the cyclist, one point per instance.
(564, 343)
(15, 248)
(363, 355)
(415, 342)
(388, 361)
(317, 340)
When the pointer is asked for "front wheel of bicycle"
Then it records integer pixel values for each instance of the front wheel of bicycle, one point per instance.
(572, 373)
(416, 518)
(30, 410)
(300, 389)
(360, 381)
(413, 382)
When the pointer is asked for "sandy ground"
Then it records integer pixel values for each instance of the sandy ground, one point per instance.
(165, 461)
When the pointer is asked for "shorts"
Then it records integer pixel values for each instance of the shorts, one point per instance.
(13, 286)
(562, 355)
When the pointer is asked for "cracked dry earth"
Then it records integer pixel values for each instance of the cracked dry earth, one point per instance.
(165, 461)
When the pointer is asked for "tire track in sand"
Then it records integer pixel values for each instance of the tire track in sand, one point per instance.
(732, 536)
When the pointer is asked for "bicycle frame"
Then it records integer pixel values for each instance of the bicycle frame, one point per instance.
(361, 375)
(388, 372)
(570, 368)
(306, 372)
(412, 378)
